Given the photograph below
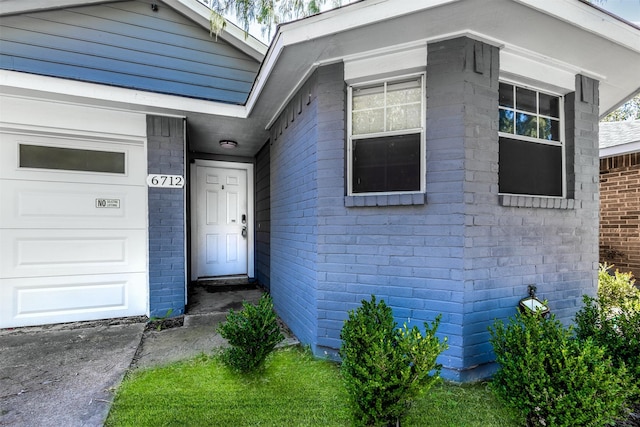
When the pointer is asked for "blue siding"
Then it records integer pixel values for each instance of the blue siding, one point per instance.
(127, 44)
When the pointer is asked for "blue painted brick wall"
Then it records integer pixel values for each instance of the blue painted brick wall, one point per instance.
(294, 192)
(263, 217)
(165, 155)
(465, 253)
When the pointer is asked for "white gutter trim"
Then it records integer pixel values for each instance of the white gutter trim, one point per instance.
(354, 16)
(12, 7)
(276, 48)
(617, 150)
(590, 19)
(142, 99)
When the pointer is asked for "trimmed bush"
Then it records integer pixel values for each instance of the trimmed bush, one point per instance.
(253, 333)
(385, 367)
(613, 321)
(552, 379)
(617, 290)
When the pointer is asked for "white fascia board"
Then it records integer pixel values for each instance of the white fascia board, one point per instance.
(141, 100)
(515, 64)
(275, 50)
(590, 19)
(232, 34)
(354, 16)
(617, 150)
(331, 22)
(558, 75)
(12, 7)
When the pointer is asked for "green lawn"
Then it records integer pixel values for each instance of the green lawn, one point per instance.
(295, 390)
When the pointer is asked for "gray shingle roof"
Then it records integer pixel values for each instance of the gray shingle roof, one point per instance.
(613, 134)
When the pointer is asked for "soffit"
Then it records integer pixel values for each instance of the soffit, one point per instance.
(599, 45)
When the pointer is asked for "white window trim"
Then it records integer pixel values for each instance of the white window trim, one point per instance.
(421, 130)
(561, 142)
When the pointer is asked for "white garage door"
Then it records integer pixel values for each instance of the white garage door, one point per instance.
(73, 239)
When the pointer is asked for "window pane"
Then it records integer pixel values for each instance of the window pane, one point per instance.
(386, 164)
(549, 105)
(404, 117)
(529, 168)
(526, 125)
(367, 121)
(506, 95)
(368, 97)
(42, 157)
(404, 92)
(549, 129)
(525, 100)
(506, 121)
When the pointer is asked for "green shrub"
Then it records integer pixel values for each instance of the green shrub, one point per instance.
(618, 289)
(253, 333)
(613, 321)
(385, 367)
(552, 379)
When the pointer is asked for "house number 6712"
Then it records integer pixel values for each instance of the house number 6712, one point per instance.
(165, 181)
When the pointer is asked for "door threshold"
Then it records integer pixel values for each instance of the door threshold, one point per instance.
(224, 280)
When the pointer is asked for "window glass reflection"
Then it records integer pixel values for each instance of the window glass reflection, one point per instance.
(73, 159)
(549, 105)
(525, 100)
(506, 95)
(526, 125)
(549, 129)
(506, 121)
(386, 164)
(368, 121)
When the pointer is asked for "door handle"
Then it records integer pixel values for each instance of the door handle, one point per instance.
(244, 231)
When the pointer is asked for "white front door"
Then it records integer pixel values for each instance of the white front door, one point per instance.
(222, 223)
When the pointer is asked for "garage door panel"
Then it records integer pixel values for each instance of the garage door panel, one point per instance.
(71, 298)
(36, 253)
(133, 151)
(35, 204)
(73, 212)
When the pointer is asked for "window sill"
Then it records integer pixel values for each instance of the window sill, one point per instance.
(385, 200)
(538, 202)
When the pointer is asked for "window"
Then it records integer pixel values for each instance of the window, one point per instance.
(73, 159)
(386, 138)
(531, 158)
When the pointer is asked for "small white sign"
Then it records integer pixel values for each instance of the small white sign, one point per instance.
(165, 181)
(108, 203)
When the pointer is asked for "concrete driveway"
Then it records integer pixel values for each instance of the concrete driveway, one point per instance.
(63, 375)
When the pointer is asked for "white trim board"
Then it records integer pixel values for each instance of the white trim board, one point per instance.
(16, 83)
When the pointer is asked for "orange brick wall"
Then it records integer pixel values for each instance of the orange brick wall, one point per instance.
(620, 212)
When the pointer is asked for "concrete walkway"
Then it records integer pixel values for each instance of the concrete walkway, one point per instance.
(65, 375)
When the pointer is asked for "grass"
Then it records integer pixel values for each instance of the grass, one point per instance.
(295, 390)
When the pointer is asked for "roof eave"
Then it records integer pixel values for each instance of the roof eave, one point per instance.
(575, 13)
(15, 7)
